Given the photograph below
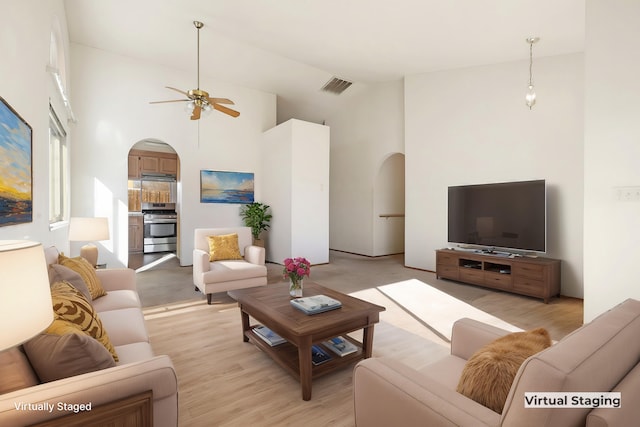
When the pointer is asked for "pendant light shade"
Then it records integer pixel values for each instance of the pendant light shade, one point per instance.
(530, 97)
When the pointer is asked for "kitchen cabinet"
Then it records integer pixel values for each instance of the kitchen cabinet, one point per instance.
(143, 162)
(136, 233)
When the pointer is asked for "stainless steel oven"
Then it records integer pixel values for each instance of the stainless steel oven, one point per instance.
(160, 227)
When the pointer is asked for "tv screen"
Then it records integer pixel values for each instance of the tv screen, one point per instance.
(510, 215)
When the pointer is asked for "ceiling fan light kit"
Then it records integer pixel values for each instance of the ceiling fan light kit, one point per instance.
(199, 101)
(530, 97)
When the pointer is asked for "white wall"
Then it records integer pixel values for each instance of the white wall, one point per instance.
(365, 130)
(612, 150)
(111, 96)
(25, 84)
(471, 126)
(296, 163)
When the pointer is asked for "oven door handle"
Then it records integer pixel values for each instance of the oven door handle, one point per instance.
(161, 221)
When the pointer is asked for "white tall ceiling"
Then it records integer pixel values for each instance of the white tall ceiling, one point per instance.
(293, 47)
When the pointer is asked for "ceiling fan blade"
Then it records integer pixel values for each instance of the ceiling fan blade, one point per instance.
(221, 101)
(178, 90)
(173, 100)
(196, 112)
(229, 111)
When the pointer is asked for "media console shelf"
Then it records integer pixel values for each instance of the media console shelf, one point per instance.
(536, 277)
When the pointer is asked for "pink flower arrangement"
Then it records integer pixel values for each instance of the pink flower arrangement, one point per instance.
(296, 268)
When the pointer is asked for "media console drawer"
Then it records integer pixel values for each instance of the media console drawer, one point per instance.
(537, 277)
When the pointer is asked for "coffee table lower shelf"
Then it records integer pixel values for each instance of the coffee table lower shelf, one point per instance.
(286, 355)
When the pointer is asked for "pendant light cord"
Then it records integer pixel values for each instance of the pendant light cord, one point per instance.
(530, 61)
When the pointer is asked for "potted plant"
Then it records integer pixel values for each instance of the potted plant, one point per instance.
(255, 216)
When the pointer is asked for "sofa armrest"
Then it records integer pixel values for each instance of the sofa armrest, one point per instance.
(387, 392)
(469, 335)
(115, 279)
(97, 388)
(254, 254)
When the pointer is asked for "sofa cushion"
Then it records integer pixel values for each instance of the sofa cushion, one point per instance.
(66, 353)
(224, 247)
(15, 371)
(488, 374)
(60, 273)
(125, 326)
(115, 300)
(69, 304)
(88, 273)
(134, 352)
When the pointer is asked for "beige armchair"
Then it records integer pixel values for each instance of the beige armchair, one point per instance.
(211, 277)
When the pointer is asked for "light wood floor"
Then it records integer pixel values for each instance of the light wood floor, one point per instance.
(225, 382)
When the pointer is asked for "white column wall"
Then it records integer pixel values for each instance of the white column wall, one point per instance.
(296, 168)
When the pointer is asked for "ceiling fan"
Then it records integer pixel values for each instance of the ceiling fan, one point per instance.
(197, 99)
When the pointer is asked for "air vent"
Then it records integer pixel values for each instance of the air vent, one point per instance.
(336, 86)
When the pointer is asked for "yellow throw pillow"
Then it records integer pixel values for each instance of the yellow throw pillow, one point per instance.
(69, 304)
(488, 374)
(224, 247)
(87, 272)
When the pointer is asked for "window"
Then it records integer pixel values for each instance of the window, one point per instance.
(58, 170)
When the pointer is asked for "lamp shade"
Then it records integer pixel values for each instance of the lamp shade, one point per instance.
(24, 292)
(88, 229)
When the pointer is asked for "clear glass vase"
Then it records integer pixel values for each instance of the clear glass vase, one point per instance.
(295, 287)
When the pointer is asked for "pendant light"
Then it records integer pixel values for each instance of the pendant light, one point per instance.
(530, 97)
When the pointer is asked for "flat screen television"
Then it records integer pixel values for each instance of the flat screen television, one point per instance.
(508, 215)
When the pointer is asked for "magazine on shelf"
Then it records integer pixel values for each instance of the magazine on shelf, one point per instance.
(318, 355)
(316, 304)
(268, 335)
(340, 346)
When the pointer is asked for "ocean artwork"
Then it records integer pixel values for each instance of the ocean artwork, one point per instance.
(226, 187)
(15, 168)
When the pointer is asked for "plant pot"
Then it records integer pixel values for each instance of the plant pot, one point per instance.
(258, 242)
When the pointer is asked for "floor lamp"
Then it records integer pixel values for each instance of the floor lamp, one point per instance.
(24, 291)
(88, 230)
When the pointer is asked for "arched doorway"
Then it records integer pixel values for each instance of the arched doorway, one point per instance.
(152, 184)
(388, 206)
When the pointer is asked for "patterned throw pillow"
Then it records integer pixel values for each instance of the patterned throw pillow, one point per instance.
(224, 247)
(69, 304)
(60, 273)
(87, 272)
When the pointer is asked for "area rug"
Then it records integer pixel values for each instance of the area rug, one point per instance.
(436, 309)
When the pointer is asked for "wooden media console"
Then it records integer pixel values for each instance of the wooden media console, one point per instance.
(536, 277)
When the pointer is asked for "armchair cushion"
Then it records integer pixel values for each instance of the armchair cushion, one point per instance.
(488, 374)
(224, 247)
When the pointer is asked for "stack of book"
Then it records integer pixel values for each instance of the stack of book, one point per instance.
(315, 304)
(268, 335)
(318, 355)
(340, 346)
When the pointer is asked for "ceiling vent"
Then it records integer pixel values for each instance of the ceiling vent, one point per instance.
(336, 86)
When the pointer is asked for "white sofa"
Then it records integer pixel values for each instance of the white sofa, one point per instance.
(220, 276)
(138, 369)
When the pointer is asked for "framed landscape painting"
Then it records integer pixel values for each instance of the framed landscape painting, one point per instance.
(226, 187)
(15, 167)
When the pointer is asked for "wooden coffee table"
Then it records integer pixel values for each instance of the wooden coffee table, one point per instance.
(270, 306)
